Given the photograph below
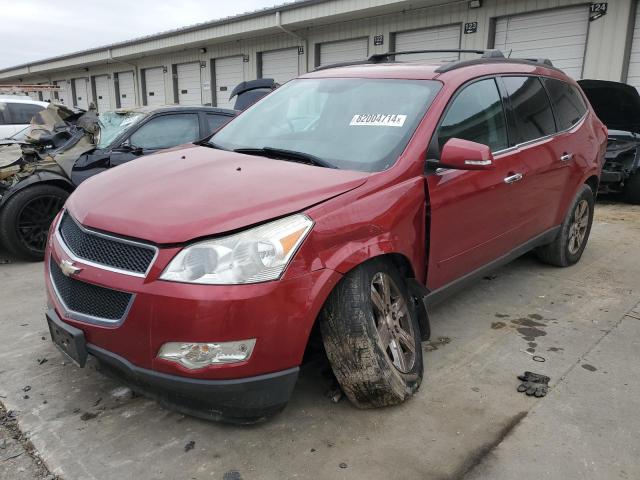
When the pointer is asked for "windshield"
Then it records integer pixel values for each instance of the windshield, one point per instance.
(20, 135)
(351, 123)
(113, 124)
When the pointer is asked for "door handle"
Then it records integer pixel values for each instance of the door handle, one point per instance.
(566, 157)
(513, 178)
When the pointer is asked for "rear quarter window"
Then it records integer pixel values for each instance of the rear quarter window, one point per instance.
(567, 101)
(531, 108)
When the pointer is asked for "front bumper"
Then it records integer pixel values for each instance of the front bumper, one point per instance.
(278, 314)
(245, 400)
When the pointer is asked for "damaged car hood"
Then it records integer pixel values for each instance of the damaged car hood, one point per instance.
(57, 137)
(616, 104)
(193, 191)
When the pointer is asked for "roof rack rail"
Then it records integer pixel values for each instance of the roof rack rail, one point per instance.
(447, 67)
(385, 57)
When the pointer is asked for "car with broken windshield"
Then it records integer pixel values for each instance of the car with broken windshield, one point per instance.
(342, 205)
(62, 148)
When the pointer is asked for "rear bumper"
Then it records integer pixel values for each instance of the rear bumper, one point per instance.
(245, 400)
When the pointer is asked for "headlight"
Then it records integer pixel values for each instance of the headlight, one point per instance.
(255, 255)
(200, 355)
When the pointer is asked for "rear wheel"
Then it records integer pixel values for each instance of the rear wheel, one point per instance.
(572, 239)
(632, 189)
(371, 335)
(26, 218)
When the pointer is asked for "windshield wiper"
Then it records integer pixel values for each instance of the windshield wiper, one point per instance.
(283, 154)
(205, 143)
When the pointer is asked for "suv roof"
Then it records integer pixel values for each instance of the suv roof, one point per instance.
(385, 65)
(21, 99)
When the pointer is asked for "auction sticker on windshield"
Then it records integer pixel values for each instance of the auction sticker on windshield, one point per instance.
(378, 120)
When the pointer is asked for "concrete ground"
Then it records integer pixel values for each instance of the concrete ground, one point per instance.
(466, 421)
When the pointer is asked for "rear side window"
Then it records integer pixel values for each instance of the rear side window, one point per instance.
(167, 131)
(214, 122)
(476, 114)
(531, 107)
(567, 101)
(22, 113)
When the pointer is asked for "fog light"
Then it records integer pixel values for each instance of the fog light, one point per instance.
(200, 355)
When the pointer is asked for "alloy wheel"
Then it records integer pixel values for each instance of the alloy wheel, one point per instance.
(393, 322)
(578, 229)
(34, 220)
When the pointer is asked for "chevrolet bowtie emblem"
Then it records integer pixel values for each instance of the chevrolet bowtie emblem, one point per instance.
(68, 268)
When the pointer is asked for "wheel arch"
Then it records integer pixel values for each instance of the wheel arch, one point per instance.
(41, 178)
(593, 181)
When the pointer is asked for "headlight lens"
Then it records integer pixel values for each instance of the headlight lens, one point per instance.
(200, 355)
(255, 255)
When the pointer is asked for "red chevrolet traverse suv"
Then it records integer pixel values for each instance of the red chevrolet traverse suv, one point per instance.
(351, 198)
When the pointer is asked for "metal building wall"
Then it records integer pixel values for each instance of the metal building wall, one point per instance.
(606, 51)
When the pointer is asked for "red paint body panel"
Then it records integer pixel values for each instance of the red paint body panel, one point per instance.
(468, 218)
(194, 192)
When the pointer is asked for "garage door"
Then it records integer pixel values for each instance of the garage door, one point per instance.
(344, 51)
(154, 85)
(229, 73)
(81, 86)
(63, 95)
(633, 75)
(126, 90)
(189, 85)
(559, 35)
(46, 94)
(103, 99)
(437, 38)
(281, 65)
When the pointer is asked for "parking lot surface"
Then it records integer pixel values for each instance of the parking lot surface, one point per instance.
(466, 421)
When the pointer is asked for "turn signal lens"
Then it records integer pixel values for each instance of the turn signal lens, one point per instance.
(200, 355)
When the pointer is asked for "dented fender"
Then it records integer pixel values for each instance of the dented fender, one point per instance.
(375, 228)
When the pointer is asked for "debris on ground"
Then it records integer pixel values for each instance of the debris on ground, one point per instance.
(534, 384)
(434, 344)
(88, 416)
(189, 445)
(334, 393)
(42, 360)
(343, 465)
(122, 393)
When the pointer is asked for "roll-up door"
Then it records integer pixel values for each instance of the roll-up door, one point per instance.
(281, 65)
(558, 34)
(633, 74)
(154, 86)
(436, 38)
(344, 51)
(229, 72)
(189, 85)
(63, 95)
(103, 99)
(126, 90)
(82, 93)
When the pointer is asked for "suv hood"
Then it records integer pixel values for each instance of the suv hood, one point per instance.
(191, 192)
(616, 104)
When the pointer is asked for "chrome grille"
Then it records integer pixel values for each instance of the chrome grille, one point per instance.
(101, 249)
(87, 302)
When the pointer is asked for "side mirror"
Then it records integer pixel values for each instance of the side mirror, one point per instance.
(461, 154)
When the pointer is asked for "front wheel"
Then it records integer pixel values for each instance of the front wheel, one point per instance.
(572, 239)
(26, 218)
(371, 335)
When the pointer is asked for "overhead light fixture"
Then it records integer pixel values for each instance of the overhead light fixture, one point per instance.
(203, 50)
(475, 3)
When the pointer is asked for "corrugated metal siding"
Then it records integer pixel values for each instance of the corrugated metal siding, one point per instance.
(435, 38)
(633, 74)
(559, 35)
(338, 20)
